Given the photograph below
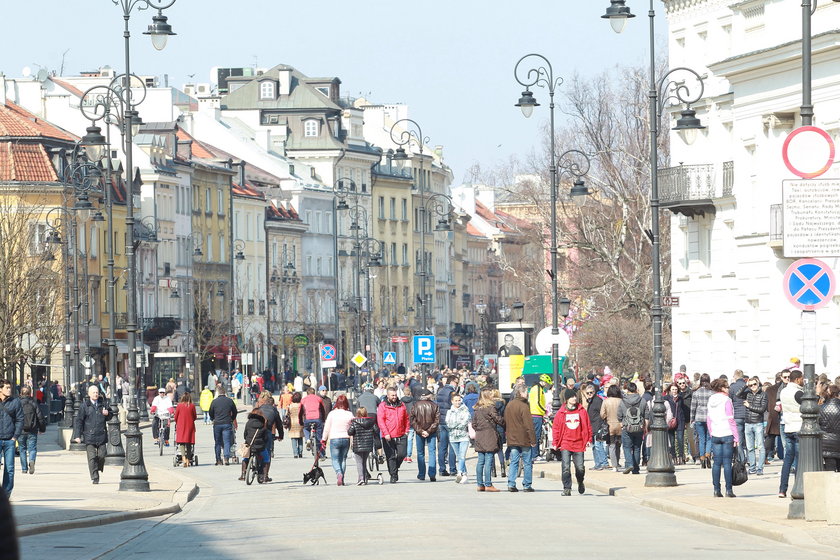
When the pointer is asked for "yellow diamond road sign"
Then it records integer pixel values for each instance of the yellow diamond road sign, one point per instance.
(358, 359)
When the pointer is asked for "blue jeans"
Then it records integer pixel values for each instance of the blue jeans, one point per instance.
(318, 425)
(538, 425)
(517, 453)
(28, 444)
(599, 454)
(297, 447)
(631, 446)
(7, 450)
(338, 454)
(442, 447)
(791, 455)
(206, 416)
(222, 435)
(484, 469)
(422, 442)
(704, 442)
(569, 457)
(754, 434)
(410, 442)
(460, 450)
(679, 443)
(723, 450)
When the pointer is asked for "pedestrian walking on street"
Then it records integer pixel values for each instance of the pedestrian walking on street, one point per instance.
(392, 418)
(295, 426)
(33, 424)
(600, 429)
(736, 388)
(485, 421)
(755, 406)
(273, 428)
(791, 399)
(185, 428)
(500, 405)
(336, 433)
(609, 413)
(536, 400)
(683, 419)
(457, 420)
(829, 420)
(521, 438)
(90, 427)
(223, 414)
(313, 413)
(424, 419)
(633, 415)
(204, 401)
(409, 400)
(443, 399)
(723, 431)
(363, 432)
(571, 434)
(11, 427)
(699, 406)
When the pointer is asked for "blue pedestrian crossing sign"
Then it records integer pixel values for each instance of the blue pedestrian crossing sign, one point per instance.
(809, 284)
(389, 358)
(424, 349)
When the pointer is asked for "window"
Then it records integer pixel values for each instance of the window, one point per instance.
(310, 128)
(381, 207)
(405, 254)
(208, 249)
(208, 206)
(308, 265)
(38, 238)
(239, 307)
(317, 226)
(262, 307)
(248, 236)
(394, 260)
(221, 248)
(251, 307)
(308, 215)
(393, 215)
(318, 267)
(267, 89)
(260, 227)
(328, 224)
(404, 209)
(221, 197)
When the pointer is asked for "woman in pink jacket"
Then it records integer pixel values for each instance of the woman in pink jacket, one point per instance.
(720, 419)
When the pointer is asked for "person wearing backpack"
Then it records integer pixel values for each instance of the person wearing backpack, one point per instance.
(33, 424)
(633, 415)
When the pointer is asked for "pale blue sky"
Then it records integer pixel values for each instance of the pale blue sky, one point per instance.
(450, 61)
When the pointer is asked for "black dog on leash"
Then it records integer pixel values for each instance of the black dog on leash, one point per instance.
(314, 476)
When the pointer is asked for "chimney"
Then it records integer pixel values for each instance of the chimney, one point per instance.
(2, 90)
(242, 173)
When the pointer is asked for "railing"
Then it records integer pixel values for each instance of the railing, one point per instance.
(777, 223)
(696, 182)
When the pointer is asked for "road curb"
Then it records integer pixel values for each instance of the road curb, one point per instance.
(758, 528)
(183, 495)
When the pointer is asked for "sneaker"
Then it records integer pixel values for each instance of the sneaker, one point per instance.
(432, 479)
(95, 481)
(393, 479)
(529, 489)
(31, 468)
(166, 443)
(361, 483)
(408, 460)
(567, 491)
(421, 477)
(628, 470)
(444, 473)
(751, 471)
(615, 469)
(540, 459)
(513, 489)
(759, 473)
(464, 478)
(491, 489)
(783, 494)
(458, 478)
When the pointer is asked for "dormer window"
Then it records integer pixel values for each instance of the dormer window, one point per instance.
(267, 89)
(310, 128)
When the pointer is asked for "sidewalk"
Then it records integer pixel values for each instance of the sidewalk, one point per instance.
(757, 510)
(60, 495)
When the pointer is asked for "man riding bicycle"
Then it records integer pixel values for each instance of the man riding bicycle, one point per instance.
(312, 416)
(163, 410)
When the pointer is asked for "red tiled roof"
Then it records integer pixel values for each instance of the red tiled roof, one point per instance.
(25, 162)
(281, 213)
(20, 123)
(69, 87)
(247, 190)
(472, 230)
(199, 150)
(502, 220)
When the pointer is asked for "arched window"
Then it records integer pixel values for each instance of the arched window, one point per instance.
(267, 89)
(310, 128)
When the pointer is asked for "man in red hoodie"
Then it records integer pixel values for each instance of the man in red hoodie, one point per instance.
(572, 433)
(392, 417)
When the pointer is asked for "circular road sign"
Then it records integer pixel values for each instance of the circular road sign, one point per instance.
(545, 340)
(808, 152)
(809, 284)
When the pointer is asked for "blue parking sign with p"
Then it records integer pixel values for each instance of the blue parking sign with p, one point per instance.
(424, 349)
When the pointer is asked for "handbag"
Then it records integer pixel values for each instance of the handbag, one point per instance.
(470, 430)
(739, 471)
(602, 432)
(287, 421)
(245, 448)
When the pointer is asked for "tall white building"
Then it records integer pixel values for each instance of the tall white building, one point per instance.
(726, 190)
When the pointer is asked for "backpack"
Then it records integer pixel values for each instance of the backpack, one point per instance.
(632, 422)
(31, 422)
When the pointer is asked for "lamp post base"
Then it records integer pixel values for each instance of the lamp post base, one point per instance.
(114, 452)
(660, 466)
(134, 477)
(796, 509)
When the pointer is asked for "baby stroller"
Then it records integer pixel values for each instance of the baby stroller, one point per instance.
(178, 458)
(234, 458)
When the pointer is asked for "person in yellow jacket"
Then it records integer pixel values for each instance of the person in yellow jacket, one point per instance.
(204, 401)
(536, 401)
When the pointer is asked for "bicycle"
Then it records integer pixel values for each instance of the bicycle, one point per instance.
(254, 468)
(312, 443)
(546, 439)
(374, 460)
(163, 426)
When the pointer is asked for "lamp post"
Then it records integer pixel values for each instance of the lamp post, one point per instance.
(660, 466)
(119, 102)
(542, 75)
(343, 187)
(237, 254)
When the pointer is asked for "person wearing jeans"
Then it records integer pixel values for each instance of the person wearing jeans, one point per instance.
(571, 433)
(222, 437)
(457, 420)
(336, 432)
(723, 432)
(223, 413)
(755, 405)
(519, 431)
(699, 407)
(517, 453)
(723, 449)
(791, 399)
(424, 419)
(633, 416)
(28, 440)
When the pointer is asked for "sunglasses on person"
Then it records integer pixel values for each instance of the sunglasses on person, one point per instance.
(752, 384)
(786, 377)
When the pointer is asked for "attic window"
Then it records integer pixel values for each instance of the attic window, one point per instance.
(324, 90)
(310, 128)
(267, 89)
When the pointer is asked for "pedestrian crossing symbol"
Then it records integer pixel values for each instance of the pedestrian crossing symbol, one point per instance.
(389, 358)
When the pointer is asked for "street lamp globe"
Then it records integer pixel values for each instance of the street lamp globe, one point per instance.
(527, 103)
(159, 31)
(564, 305)
(518, 311)
(94, 143)
(579, 192)
(618, 14)
(688, 125)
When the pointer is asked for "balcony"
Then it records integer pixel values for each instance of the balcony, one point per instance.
(157, 328)
(692, 189)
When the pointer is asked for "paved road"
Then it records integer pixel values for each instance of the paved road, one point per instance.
(411, 519)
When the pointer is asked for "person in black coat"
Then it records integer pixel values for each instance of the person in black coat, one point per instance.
(829, 420)
(592, 402)
(90, 426)
(255, 437)
(363, 431)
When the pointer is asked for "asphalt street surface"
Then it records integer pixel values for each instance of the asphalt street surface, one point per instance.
(410, 519)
